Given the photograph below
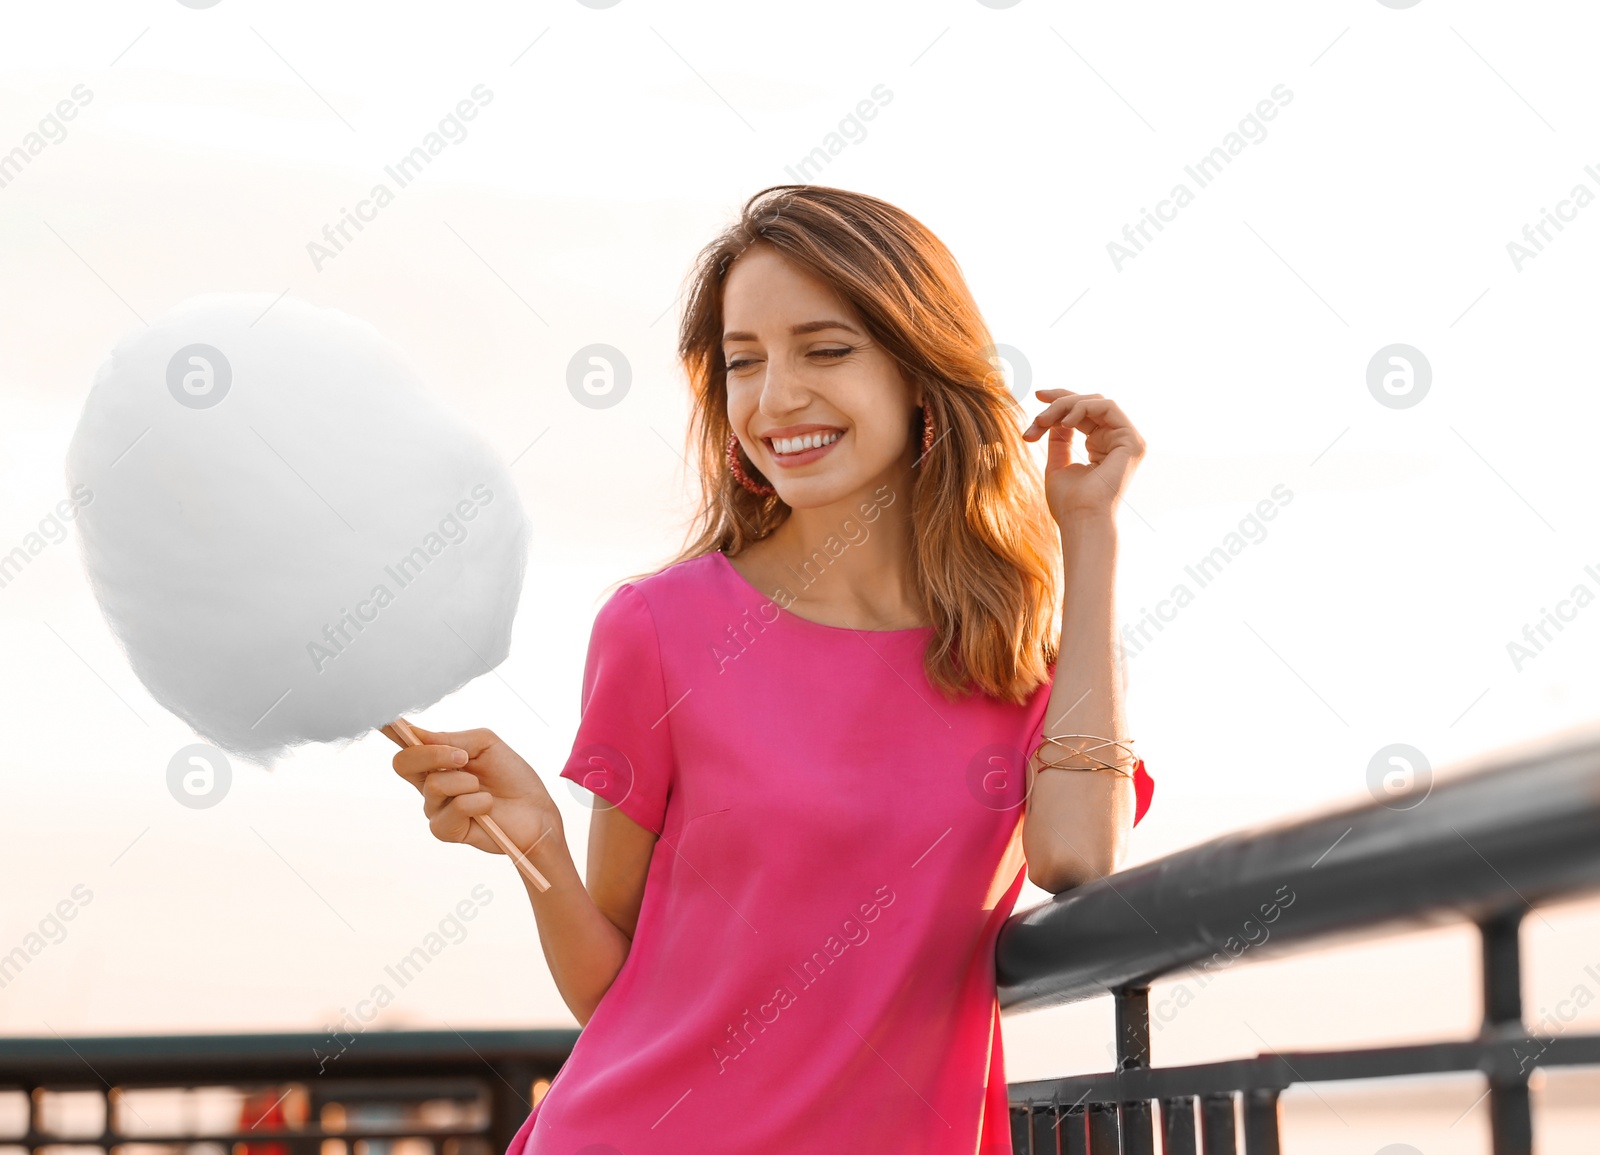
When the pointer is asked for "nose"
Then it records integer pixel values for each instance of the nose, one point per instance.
(781, 391)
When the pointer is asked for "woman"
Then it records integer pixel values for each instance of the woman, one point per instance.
(813, 736)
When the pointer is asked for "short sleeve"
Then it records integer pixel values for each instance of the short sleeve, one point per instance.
(623, 750)
(1144, 786)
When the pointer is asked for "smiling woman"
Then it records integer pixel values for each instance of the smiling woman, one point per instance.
(827, 312)
(884, 734)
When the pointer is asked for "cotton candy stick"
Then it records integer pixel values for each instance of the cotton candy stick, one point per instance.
(400, 733)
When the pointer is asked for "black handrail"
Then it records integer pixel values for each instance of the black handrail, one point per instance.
(498, 1067)
(1484, 846)
(158, 1060)
(1520, 831)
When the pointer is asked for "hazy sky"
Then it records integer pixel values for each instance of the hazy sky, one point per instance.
(1405, 152)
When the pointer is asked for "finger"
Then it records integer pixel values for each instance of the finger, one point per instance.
(474, 742)
(415, 763)
(1068, 413)
(434, 805)
(447, 784)
(1085, 411)
(1065, 404)
(453, 822)
(1058, 448)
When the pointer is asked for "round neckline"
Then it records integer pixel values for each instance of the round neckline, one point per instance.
(744, 584)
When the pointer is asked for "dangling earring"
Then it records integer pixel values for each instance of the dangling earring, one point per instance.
(739, 474)
(927, 432)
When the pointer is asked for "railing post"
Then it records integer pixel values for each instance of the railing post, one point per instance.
(1133, 1028)
(1217, 1135)
(1044, 1126)
(1261, 1121)
(508, 1103)
(1510, 1113)
(1074, 1131)
(35, 1138)
(1177, 1126)
(1103, 1132)
(1133, 1053)
(1021, 1131)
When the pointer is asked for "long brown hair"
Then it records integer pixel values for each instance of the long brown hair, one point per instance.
(986, 558)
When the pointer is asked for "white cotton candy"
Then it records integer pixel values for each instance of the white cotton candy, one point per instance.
(322, 549)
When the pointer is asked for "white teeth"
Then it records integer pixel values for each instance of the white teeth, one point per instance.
(805, 441)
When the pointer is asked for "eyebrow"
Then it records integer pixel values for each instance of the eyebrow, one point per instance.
(796, 330)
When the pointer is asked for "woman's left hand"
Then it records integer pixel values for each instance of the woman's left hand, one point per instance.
(1075, 490)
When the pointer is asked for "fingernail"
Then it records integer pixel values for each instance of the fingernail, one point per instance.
(459, 757)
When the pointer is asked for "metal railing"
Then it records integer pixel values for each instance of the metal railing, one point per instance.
(1484, 847)
(363, 1091)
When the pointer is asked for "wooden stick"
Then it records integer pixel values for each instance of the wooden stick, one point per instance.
(400, 732)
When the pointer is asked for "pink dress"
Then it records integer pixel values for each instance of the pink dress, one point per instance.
(813, 968)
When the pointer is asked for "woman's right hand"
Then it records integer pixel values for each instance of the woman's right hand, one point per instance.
(467, 774)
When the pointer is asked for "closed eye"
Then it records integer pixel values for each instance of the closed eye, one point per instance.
(831, 354)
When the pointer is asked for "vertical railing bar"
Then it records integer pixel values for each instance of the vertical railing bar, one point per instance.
(1177, 1126)
(1022, 1131)
(1074, 1130)
(1217, 1134)
(1510, 1112)
(1104, 1136)
(1261, 1121)
(35, 1136)
(1136, 1126)
(1043, 1131)
(510, 1101)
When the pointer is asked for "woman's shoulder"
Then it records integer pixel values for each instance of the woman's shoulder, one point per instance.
(676, 589)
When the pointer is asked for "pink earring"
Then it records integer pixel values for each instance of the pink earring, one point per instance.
(739, 474)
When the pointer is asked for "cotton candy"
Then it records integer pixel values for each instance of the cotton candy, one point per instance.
(291, 538)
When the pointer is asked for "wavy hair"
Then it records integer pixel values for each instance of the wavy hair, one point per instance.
(986, 559)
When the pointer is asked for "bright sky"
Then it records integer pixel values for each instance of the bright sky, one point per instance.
(207, 148)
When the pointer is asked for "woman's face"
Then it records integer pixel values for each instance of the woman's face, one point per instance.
(801, 371)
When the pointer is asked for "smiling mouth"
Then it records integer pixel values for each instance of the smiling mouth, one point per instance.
(797, 452)
(794, 446)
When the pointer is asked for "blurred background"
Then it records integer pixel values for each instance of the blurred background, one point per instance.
(1383, 222)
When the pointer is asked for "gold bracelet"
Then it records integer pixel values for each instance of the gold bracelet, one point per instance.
(1085, 752)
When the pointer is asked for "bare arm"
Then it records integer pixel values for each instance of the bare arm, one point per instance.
(585, 933)
(1077, 822)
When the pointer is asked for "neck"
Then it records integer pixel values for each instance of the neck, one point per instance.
(850, 560)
